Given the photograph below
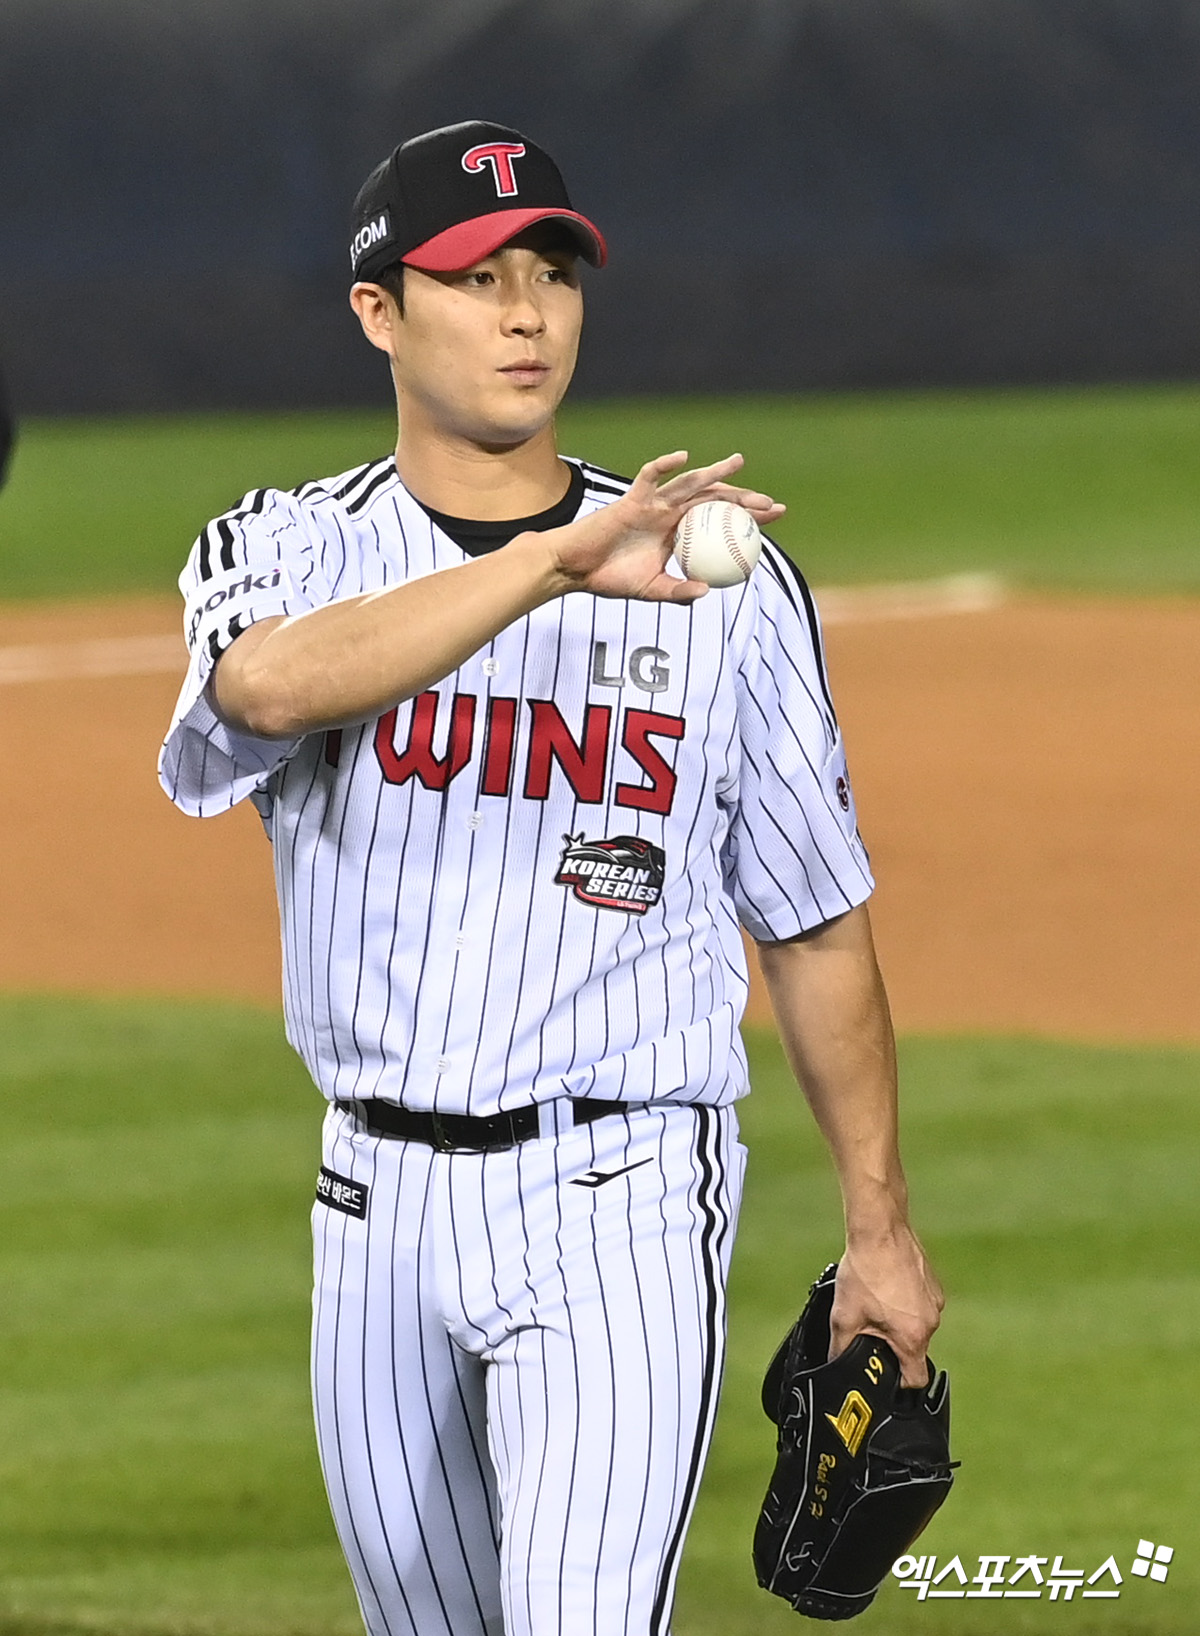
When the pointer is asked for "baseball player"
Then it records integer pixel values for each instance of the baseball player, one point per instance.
(522, 781)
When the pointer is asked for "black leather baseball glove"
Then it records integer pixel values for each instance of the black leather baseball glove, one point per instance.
(863, 1463)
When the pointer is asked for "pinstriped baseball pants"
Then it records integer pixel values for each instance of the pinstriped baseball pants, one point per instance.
(516, 1359)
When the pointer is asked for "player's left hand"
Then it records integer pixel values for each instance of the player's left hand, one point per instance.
(885, 1286)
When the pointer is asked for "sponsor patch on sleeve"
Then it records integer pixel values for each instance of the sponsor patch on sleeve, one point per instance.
(248, 592)
(340, 1193)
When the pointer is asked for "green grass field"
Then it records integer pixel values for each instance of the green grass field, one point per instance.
(1091, 488)
(157, 1473)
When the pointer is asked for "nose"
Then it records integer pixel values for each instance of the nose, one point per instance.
(521, 314)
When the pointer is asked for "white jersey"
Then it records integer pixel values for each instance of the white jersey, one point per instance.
(527, 881)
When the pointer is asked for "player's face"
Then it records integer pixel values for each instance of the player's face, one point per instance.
(487, 354)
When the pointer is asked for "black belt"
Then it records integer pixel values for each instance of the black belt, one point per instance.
(463, 1132)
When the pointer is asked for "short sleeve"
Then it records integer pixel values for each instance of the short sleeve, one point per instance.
(794, 858)
(255, 562)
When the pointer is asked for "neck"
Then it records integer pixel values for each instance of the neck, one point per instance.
(465, 479)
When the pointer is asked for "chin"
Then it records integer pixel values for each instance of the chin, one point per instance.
(507, 430)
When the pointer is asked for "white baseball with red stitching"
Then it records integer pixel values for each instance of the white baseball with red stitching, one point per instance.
(718, 542)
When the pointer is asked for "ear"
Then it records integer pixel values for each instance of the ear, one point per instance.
(377, 313)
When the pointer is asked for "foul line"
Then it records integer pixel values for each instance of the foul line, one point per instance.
(910, 599)
(109, 656)
(166, 655)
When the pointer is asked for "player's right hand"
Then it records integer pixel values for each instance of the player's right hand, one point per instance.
(623, 549)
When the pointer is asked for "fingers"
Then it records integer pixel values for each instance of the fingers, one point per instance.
(750, 498)
(918, 1373)
(771, 512)
(669, 589)
(915, 1369)
(653, 470)
(683, 490)
(704, 483)
(760, 506)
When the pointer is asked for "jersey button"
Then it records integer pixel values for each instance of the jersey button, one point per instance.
(442, 1064)
(491, 667)
(475, 820)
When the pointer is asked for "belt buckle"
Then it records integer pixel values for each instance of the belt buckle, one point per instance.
(442, 1142)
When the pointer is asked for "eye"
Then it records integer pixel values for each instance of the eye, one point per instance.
(478, 280)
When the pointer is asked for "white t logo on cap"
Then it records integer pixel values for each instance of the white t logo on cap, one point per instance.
(499, 155)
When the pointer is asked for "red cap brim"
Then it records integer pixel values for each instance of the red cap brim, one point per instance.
(466, 243)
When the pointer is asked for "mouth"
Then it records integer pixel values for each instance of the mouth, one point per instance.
(526, 372)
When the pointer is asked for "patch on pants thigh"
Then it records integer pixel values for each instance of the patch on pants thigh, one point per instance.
(340, 1193)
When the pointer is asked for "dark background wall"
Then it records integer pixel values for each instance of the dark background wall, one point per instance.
(797, 192)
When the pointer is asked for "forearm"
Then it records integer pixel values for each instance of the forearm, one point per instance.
(833, 1018)
(355, 658)
(832, 1012)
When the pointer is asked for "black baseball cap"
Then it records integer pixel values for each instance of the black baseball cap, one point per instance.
(447, 199)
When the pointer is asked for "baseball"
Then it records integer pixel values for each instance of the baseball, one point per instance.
(717, 542)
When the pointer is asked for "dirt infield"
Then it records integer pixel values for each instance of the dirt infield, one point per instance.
(1028, 778)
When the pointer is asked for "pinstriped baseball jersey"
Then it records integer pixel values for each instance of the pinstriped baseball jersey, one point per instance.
(527, 881)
